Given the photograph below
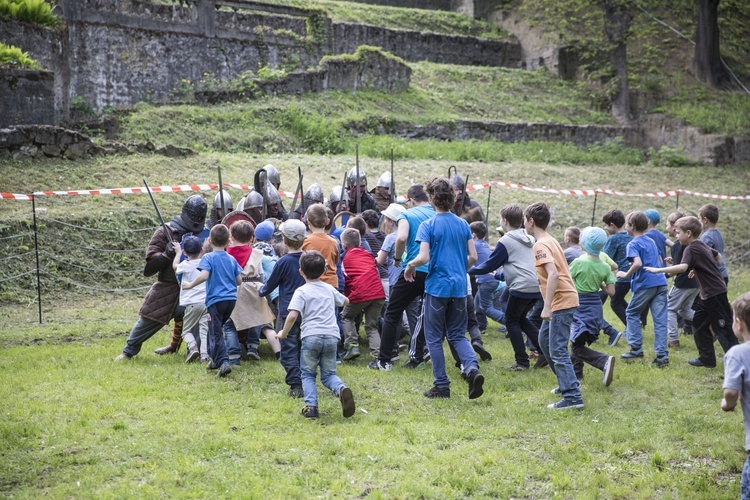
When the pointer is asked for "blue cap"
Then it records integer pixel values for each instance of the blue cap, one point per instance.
(652, 215)
(593, 240)
(264, 230)
(192, 245)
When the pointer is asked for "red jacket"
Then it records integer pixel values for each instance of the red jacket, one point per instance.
(362, 282)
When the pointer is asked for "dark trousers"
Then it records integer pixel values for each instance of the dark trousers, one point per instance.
(518, 323)
(582, 353)
(290, 353)
(619, 305)
(402, 294)
(219, 313)
(713, 313)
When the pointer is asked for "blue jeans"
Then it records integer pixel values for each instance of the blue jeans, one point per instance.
(219, 313)
(233, 343)
(447, 316)
(319, 350)
(553, 341)
(484, 304)
(656, 299)
(745, 481)
(290, 353)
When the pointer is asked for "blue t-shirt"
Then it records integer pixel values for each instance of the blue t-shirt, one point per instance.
(389, 245)
(661, 243)
(222, 279)
(415, 216)
(483, 253)
(616, 248)
(447, 235)
(645, 248)
(286, 277)
(713, 239)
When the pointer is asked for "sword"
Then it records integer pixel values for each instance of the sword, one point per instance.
(161, 219)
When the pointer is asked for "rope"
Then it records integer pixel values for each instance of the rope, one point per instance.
(15, 217)
(739, 257)
(17, 236)
(46, 236)
(80, 285)
(18, 275)
(16, 256)
(152, 228)
(108, 271)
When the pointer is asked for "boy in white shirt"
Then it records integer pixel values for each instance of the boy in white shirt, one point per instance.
(194, 300)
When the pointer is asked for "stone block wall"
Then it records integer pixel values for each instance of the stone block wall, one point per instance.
(26, 97)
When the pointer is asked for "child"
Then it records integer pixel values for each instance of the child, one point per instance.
(649, 291)
(737, 378)
(365, 297)
(590, 275)
(264, 233)
(486, 283)
(616, 248)
(222, 275)
(712, 312)
(317, 220)
(572, 239)
(446, 246)
(194, 301)
(514, 253)
(560, 303)
(661, 241)
(375, 238)
(315, 302)
(252, 310)
(683, 292)
(287, 278)
(709, 216)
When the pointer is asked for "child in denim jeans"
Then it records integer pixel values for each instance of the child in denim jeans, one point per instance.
(316, 303)
(649, 291)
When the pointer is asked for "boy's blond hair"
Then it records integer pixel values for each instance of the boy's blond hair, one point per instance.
(741, 308)
(219, 235)
(317, 216)
(350, 238)
(689, 223)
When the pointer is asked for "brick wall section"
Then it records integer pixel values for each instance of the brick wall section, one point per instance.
(25, 97)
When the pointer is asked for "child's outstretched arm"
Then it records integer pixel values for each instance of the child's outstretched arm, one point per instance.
(202, 277)
(288, 324)
(676, 269)
(177, 256)
(634, 266)
(609, 289)
(422, 258)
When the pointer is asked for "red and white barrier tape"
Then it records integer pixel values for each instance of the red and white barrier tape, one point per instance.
(472, 187)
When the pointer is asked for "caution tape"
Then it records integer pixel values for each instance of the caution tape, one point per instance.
(284, 194)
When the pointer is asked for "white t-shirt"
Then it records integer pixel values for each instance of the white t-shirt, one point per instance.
(316, 302)
(187, 270)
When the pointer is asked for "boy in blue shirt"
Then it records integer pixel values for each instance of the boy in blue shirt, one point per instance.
(616, 248)
(649, 291)
(661, 241)
(709, 217)
(222, 275)
(446, 247)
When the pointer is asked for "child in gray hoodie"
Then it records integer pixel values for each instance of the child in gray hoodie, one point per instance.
(514, 253)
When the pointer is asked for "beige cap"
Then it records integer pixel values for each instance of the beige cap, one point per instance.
(393, 211)
(293, 230)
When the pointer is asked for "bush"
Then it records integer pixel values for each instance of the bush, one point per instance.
(13, 57)
(30, 11)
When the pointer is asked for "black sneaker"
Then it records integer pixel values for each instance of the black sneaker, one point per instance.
(699, 363)
(310, 412)
(224, 370)
(476, 380)
(170, 349)
(252, 353)
(352, 352)
(347, 401)
(296, 391)
(660, 362)
(436, 392)
(566, 404)
(609, 371)
(379, 365)
(483, 354)
(211, 365)
(414, 363)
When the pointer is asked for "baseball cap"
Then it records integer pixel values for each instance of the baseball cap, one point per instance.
(652, 215)
(593, 240)
(192, 245)
(293, 230)
(264, 230)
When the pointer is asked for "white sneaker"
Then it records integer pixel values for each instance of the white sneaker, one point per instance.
(609, 370)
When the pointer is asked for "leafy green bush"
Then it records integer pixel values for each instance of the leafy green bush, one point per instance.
(13, 57)
(30, 11)
(668, 156)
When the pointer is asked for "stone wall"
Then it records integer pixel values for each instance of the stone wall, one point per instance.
(434, 47)
(25, 97)
(38, 141)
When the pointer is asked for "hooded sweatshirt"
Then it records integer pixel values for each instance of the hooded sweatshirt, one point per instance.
(514, 253)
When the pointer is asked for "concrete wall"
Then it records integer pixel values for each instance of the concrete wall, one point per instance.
(26, 97)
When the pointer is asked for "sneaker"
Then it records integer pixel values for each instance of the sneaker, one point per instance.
(483, 354)
(225, 370)
(413, 363)
(211, 365)
(436, 392)
(502, 330)
(673, 343)
(296, 391)
(235, 362)
(541, 362)
(123, 357)
(347, 401)
(660, 362)
(193, 355)
(698, 362)
(565, 404)
(205, 359)
(252, 353)
(243, 353)
(609, 371)
(476, 380)
(633, 354)
(170, 349)
(614, 339)
(379, 365)
(515, 367)
(556, 390)
(310, 412)
(352, 352)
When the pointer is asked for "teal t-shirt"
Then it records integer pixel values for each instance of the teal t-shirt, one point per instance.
(415, 216)
(589, 273)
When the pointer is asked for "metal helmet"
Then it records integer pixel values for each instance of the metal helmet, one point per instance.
(314, 194)
(193, 216)
(457, 182)
(227, 201)
(385, 180)
(272, 195)
(272, 174)
(352, 177)
(253, 200)
(335, 196)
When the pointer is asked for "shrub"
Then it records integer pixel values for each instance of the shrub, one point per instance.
(13, 57)
(30, 11)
